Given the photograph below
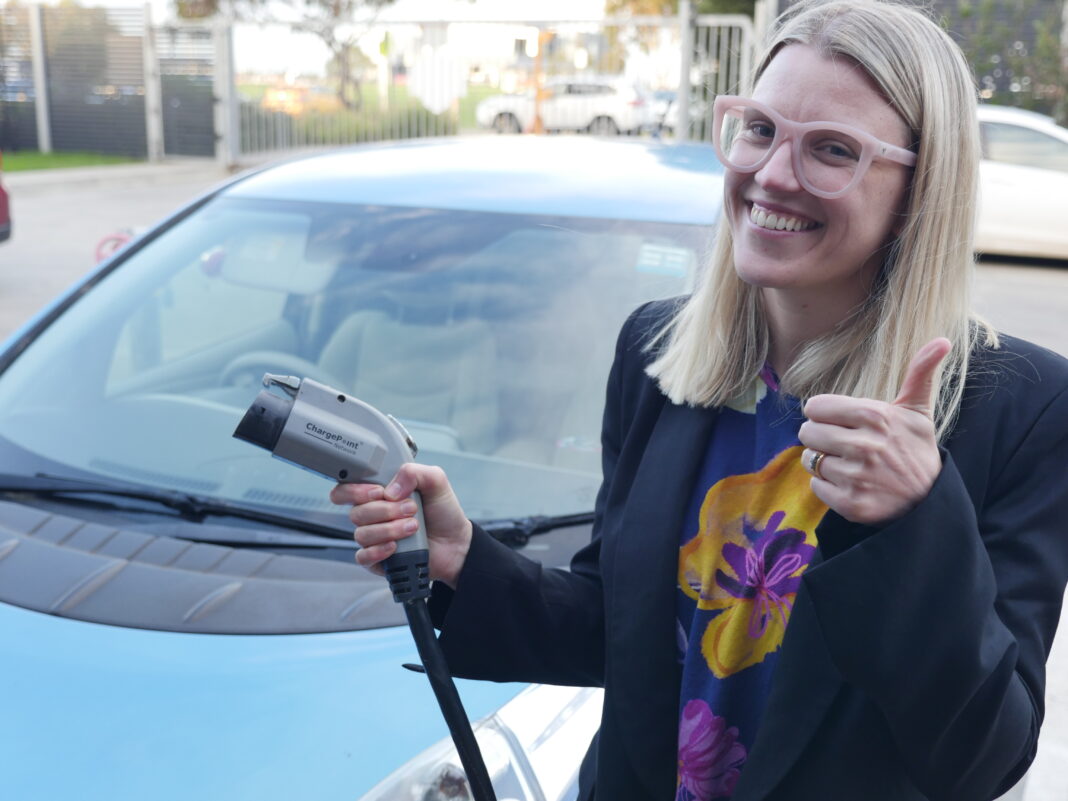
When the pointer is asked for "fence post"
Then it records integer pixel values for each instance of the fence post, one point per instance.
(682, 96)
(153, 90)
(227, 119)
(40, 79)
(764, 14)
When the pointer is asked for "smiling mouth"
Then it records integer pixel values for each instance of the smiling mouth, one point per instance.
(778, 222)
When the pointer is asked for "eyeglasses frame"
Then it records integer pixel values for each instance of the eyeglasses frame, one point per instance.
(871, 146)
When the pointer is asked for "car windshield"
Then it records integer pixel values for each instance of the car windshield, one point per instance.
(488, 335)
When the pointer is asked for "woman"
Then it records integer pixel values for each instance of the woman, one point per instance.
(856, 605)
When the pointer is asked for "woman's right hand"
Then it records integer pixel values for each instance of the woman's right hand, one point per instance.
(384, 515)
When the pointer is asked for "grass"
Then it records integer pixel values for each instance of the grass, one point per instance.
(400, 102)
(33, 160)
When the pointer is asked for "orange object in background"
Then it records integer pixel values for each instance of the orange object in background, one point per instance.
(540, 92)
(297, 100)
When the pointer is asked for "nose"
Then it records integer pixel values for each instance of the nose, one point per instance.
(778, 173)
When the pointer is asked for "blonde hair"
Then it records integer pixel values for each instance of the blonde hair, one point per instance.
(718, 340)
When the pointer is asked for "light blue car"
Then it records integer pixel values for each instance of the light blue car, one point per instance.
(180, 615)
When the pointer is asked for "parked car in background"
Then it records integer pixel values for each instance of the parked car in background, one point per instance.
(604, 106)
(181, 614)
(1023, 204)
(5, 206)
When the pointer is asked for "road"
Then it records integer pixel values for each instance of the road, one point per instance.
(58, 222)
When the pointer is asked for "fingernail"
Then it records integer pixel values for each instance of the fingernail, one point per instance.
(408, 508)
(394, 490)
(411, 526)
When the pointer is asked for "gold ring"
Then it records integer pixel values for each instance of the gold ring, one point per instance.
(814, 464)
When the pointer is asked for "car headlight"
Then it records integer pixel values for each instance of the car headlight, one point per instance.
(532, 747)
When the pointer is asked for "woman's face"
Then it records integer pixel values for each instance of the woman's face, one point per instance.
(833, 256)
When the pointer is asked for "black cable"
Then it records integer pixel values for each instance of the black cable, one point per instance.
(437, 671)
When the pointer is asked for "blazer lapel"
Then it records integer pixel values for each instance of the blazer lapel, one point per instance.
(805, 683)
(640, 585)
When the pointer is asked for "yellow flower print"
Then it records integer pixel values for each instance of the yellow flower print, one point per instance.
(756, 537)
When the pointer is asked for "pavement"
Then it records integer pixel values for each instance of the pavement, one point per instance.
(138, 173)
(50, 205)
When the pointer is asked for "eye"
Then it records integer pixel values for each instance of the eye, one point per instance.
(759, 130)
(835, 150)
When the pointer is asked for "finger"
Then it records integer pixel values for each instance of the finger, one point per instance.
(382, 533)
(834, 440)
(344, 494)
(808, 459)
(377, 568)
(372, 556)
(827, 492)
(429, 480)
(917, 390)
(404, 483)
(381, 512)
(845, 411)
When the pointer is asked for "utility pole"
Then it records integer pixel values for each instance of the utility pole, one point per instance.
(40, 79)
(686, 45)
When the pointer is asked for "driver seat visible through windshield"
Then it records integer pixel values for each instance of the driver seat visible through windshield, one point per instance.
(430, 370)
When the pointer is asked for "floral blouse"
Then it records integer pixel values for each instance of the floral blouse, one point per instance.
(749, 535)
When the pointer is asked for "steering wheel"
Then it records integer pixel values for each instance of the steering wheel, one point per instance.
(247, 370)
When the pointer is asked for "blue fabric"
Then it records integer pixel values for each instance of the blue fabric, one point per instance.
(748, 536)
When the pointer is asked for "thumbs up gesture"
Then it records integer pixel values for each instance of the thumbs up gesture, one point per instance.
(879, 459)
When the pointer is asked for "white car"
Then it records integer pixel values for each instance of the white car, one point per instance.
(1023, 208)
(603, 106)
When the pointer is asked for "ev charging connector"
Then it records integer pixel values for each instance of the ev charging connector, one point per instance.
(346, 440)
(336, 436)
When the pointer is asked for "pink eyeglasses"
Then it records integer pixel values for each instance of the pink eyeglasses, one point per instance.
(829, 159)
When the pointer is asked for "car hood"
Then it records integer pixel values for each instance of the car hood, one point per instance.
(102, 712)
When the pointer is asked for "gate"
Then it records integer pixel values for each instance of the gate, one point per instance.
(95, 79)
(186, 57)
(432, 78)
(719, 61)
(83, 78)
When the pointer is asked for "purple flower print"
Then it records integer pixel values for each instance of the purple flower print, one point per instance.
(765, 571)
(710, 756)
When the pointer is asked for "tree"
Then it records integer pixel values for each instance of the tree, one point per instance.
(1015, 51)
(338, 24)
(334, 22)
(666, 7)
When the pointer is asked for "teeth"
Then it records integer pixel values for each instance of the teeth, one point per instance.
(775, 222)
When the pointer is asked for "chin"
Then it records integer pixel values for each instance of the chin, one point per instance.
(764, 273)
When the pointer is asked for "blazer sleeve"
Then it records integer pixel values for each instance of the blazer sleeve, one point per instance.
(945, 617)
(512, 619)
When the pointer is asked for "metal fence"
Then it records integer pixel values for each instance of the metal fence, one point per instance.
(106, 80)
(95, 86)
(614, 76)
(185, 56)
(18, 127)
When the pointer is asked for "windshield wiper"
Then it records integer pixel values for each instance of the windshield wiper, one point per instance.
(190, 507)
(517, 531)
(514, 531)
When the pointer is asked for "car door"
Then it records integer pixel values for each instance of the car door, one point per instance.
(559, 106)
(1023, 192)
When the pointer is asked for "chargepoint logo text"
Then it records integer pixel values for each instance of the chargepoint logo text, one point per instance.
(330, 436)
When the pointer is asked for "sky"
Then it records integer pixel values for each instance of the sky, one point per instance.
(424, 10)
(257, 48)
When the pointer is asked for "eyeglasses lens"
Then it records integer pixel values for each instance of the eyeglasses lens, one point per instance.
(829, 158)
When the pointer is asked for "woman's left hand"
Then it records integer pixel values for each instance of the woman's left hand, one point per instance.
(880, 459)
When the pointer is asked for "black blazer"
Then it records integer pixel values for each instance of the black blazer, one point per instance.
(913, 663)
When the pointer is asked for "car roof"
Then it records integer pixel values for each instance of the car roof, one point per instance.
(1021, 116)
(558, 175)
